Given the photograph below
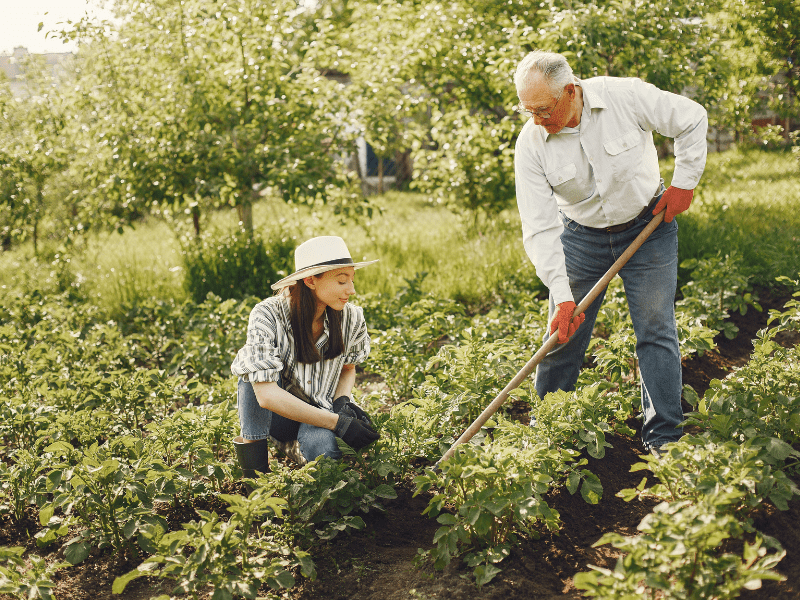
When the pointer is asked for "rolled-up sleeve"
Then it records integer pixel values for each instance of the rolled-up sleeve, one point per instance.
(260, 359)
(358, 338)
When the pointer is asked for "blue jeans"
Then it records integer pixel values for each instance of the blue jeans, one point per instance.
(259, 423)
(650, 279)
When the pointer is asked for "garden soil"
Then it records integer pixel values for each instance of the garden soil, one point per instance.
(383, 562)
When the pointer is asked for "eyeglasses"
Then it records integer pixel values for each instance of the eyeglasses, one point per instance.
(542, 113)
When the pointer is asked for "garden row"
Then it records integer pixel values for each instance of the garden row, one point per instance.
(107, 426)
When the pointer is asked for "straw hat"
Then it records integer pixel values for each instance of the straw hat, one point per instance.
(317, 255)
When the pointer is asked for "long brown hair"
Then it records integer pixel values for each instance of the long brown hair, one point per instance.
(302, 306)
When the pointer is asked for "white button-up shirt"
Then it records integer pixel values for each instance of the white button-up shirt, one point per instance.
(604, 171)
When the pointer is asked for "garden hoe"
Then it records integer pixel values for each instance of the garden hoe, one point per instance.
(551, 341)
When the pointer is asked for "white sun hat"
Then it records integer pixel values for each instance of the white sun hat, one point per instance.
(317, 255)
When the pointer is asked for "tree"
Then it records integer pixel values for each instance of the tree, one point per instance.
(204, 103)
(33, 150)
(771, 31)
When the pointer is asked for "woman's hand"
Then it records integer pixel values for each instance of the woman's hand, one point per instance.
(344, 405)
(354, 432)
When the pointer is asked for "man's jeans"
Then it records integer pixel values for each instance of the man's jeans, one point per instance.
(257, 424)
(650, 279)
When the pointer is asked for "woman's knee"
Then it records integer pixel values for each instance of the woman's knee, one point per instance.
(317, 441)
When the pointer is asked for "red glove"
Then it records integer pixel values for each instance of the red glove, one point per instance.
(564, 322)
(676, 200)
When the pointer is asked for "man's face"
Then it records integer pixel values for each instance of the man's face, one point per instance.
(538, 97)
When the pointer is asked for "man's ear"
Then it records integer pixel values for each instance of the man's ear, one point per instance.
(309, 281)
(571, 89)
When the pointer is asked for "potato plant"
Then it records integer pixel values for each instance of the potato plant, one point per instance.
(677, 556)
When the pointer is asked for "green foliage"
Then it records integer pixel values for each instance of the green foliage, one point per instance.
(35, 146)
(740, 477)
(582, 418)
(320, 498)
(21, 484)
(495, 492)
(194, 105)
(718, 285)
(761, 399)
(107, 492)
(236, 265)
(398, 353)
(213, 553)
(677, 555)
(27, 579)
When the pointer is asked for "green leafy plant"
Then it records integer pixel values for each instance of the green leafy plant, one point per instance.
(221, 555)
(760, 399)
(27, 579)
(677, 555)
(21, 483)
(718, 285)
(495, 494)
(740, 476)
(107, 492)
(235, 265)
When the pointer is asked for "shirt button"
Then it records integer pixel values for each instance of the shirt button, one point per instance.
(309, 381)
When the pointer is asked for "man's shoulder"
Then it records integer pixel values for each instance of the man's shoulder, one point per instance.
(605, 84)
(530, 134)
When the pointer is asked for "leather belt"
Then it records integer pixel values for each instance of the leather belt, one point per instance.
(623, 226)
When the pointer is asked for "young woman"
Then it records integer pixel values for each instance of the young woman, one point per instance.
(297, 369)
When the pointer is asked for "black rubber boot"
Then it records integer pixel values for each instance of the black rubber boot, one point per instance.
(253, 456)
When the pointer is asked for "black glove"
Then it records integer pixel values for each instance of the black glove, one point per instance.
(355, 433)
(343, 405)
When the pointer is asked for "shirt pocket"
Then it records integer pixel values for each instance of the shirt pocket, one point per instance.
(625, 155)
(562, 179)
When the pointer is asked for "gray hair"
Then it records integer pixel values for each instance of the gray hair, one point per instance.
(554, 67)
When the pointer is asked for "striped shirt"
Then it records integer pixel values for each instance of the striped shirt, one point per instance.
(270, 346)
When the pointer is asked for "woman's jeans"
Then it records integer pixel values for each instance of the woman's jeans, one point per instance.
(650, 279)
(259, 423)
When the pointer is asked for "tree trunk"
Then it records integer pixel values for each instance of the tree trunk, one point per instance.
(380, 174)
(245, 212)
(36, 208)
(196, 220)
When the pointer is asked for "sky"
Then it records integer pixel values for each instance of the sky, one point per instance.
(20, 22)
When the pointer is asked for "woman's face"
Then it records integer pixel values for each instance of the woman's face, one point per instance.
(333, 288)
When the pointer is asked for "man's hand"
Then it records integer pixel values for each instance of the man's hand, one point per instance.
(564, 321)
(355, 433)
(676, 200)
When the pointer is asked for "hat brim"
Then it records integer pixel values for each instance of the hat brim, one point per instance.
(308, 272)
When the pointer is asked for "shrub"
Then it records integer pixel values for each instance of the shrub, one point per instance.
(235, 265)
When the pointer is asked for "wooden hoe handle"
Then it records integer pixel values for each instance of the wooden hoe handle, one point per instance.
(552, 341)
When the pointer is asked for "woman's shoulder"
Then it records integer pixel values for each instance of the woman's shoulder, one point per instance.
(275, 308)
(353, 319)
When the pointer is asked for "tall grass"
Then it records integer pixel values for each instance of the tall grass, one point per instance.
(747, 202)
(412, 236)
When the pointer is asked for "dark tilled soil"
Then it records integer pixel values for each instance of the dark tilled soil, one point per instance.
(381, 562)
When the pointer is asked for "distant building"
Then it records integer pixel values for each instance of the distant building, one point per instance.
(58, 63)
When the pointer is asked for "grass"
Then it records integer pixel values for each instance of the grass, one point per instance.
(746, 203)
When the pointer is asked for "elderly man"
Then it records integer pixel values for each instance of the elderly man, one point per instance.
(588, 182)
